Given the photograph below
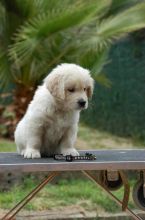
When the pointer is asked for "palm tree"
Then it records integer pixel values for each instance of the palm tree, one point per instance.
(36, 35)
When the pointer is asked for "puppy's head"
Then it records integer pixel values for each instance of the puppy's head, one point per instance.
(71, 86)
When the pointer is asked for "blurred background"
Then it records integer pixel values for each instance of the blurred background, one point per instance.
(107, 37)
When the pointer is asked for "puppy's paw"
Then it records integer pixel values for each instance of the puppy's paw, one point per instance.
(70, 151)
(22, 152)
(31, 153)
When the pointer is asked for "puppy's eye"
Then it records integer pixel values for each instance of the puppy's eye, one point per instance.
(84, 89)
(71, 90)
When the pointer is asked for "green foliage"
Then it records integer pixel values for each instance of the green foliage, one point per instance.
(117, 26)
(37, 35)
(120, 5)
(120, 108)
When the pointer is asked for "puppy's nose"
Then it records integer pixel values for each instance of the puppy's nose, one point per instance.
(82, 103)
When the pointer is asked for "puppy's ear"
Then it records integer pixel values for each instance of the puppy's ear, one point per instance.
(55, 84)
(90, 88)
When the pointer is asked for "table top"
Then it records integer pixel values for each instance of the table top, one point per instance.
(105, 160)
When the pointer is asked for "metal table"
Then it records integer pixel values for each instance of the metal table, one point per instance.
(106, 160)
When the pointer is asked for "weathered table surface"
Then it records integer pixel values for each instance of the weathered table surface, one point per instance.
(105, 160)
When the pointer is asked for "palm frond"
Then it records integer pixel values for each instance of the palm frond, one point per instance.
(5, 72)
(43, 26)
(49, 5)
(102, 79)
(95, 61)
(121, 5)
(130, 20)
(21, 9)
(100, 62)
(116, 27)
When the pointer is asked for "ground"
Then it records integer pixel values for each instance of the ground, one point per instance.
(90, 138)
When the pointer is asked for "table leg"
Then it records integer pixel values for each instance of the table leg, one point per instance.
(10, 215)
(119, 202)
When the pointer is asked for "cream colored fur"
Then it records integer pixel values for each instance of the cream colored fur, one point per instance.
(51, 120)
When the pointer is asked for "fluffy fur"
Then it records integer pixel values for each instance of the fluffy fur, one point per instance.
(51, 120)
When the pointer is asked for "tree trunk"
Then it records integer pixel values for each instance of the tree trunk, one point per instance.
(22, 97)
(11, 115)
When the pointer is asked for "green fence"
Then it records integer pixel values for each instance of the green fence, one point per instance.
(121, 109)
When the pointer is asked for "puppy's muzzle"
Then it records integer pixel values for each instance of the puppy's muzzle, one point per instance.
(81, 103)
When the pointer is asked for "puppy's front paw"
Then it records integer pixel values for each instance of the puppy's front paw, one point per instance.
(71, 151)
(31, 153)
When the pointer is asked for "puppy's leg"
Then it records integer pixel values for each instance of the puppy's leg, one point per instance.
(31, 152)
(68, 141)
(33, 143)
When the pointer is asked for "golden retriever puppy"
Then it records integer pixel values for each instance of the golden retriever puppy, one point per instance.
(51, 120)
